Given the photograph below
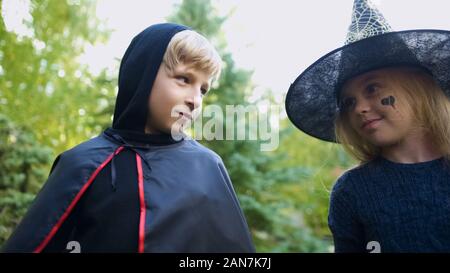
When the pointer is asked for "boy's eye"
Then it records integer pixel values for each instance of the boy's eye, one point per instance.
(347, 104)
(184, 79)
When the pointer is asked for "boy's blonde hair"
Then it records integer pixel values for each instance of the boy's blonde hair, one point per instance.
(190, 48)
(429, 104)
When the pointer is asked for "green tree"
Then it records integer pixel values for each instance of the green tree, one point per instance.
(43, 85)
(271, 214)
(49, 102)
(23, 163)
(325, 162)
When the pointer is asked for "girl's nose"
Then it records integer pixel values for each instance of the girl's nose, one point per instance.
(362, 106)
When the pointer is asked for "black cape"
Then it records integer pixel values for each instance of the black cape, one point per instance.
(127, 191)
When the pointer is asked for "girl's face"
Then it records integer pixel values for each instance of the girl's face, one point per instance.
(381, 124)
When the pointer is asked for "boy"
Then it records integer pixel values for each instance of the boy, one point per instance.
(134, 188)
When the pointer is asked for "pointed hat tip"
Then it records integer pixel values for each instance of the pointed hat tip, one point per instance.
(367, 21)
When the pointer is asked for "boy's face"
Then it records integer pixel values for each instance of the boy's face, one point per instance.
(381, 124)
(174, 97)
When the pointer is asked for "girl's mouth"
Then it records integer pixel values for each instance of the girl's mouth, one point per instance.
(371, 123)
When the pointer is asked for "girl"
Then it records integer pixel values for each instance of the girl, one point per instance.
(385, 97)
(396, 121)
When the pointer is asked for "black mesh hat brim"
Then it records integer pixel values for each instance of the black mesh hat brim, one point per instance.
(311, 102)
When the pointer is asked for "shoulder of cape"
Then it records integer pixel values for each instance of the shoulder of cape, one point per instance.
(91, 153)
(203, 151)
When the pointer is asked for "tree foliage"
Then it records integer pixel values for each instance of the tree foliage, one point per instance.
(22, 170)
(49, 101)
(43, 85)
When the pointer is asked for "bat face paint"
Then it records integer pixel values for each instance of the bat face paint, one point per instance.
(388, 101)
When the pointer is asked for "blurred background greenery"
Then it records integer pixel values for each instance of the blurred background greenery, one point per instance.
(49, 102)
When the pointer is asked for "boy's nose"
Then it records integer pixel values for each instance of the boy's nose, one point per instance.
(193, 101)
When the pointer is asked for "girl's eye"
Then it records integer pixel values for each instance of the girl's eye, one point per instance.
(372, 88)
(204, 91)
(347, 104)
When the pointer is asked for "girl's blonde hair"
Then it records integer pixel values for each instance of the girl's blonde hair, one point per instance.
(429, 104)
(190, 48)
